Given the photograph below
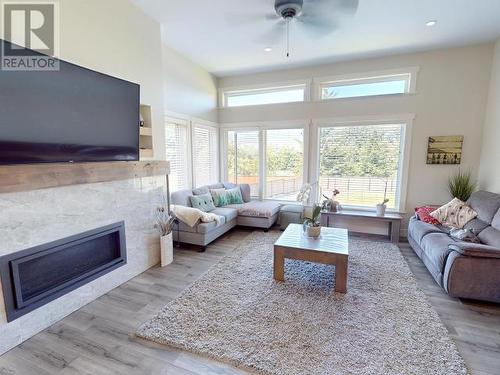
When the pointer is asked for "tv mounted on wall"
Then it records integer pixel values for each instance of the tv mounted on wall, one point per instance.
(73, 114)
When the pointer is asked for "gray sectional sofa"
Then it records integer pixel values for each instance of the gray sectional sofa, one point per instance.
(252, 213)
(464, 269)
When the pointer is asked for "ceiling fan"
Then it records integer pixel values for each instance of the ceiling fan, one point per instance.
(320, 17)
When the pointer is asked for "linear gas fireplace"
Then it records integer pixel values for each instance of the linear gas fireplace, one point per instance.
(33, 277)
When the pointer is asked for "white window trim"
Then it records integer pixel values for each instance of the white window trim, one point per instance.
(187, 124)
(367, 77)
(261, 127)
(267, 87)
(405, 119)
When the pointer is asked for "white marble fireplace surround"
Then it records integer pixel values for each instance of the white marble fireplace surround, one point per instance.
(36, 217)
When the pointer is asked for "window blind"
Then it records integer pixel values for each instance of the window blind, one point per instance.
(177, 153)
(284, 163)
(205, 166)
(362, 162)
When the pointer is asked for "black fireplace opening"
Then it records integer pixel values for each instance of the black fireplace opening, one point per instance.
(34, 277)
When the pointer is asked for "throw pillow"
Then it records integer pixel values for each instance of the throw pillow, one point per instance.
(234, 195)
(464, 235)
(424, 214)
(454, 214)
(220, 197)
(202, 202)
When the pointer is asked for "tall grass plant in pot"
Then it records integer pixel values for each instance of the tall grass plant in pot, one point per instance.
(461, 185)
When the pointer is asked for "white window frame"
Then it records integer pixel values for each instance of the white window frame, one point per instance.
(261, 127)
(225, 92)
(408, 74)
(405, 119)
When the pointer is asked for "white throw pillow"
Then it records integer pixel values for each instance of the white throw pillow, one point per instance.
(454, 214)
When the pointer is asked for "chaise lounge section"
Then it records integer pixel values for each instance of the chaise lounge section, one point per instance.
(251, 213)
(464, 269)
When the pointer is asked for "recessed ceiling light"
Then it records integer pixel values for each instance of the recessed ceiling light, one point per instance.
(268, 49)
(431, 23)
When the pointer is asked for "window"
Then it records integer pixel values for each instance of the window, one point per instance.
(177, 152)
(382, 83)
(362, 162)
(205, 155)
(243, 159)
(269, 95)
(284, 163)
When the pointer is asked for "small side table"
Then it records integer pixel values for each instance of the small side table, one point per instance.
(392, 219)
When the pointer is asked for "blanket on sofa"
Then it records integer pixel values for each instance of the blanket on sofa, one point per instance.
(190, 216)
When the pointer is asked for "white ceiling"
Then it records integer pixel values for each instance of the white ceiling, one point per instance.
(229, 36)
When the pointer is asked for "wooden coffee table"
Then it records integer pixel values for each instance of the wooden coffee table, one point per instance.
(331, 247)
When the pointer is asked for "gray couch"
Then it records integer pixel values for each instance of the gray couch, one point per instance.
(257, 214)
(464, 269)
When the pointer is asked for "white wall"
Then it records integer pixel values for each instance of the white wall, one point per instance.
(451, 99)
(188, 88)
(489, 178)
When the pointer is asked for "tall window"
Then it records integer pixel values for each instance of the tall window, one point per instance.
(284, 163)
(205, 156)
(243, 159)
(177, 152)
(363, 162)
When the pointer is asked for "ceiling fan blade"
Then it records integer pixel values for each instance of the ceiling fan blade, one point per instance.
(236, 19)
(318, 26)
(337, 6)
(274, 35)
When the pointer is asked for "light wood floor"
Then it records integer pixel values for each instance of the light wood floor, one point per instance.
(99, 338)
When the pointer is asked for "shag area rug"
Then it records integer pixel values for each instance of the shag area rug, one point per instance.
(237, 313)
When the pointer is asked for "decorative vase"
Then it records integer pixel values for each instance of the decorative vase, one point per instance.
(313, 231)
(166, 249)
(381, 209)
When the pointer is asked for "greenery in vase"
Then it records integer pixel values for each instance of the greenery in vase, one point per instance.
(461, 185)
(313, 221)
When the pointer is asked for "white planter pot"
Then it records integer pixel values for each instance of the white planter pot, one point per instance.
(166, 250)
(381, 209)
(313, 231)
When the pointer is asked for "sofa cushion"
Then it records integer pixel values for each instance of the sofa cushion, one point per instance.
(419, 229)
(228, 213)
(435, 248)
(202, 202)
(495, 223)
(208, 227)
(424, 214)
(220, 196)
(490, 236)
(454, 214)
(257, 208)
(234, 195)
(486, 205)
(476, 226)
(245, 193)
(181, 197)
(201, 190)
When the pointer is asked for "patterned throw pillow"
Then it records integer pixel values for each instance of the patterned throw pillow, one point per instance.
(234, 195)
(424, 214)
(202, 202)
(454, 214)
(220, 197)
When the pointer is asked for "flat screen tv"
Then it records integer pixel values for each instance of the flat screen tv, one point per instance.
(70, 115)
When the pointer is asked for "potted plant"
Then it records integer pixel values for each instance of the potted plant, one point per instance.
(461, 185)
(312, 225)
(164, 223)
(381, 207)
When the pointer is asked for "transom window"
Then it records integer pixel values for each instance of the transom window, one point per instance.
(269, 95)
(369, 85)
(363, 163)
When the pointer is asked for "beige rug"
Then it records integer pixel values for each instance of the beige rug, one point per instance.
(237, 313)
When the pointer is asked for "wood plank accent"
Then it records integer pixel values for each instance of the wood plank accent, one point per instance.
(15, 178)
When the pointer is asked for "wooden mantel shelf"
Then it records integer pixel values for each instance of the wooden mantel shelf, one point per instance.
(14, 178)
